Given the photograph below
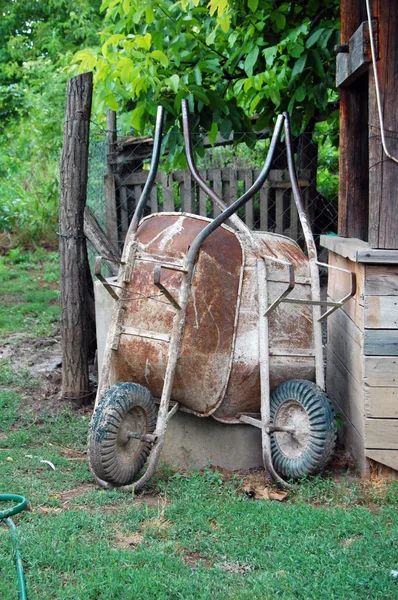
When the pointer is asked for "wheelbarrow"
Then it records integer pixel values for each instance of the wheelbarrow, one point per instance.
(217, 320)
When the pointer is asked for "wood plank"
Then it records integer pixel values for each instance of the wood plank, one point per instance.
(353, 203)
(381, 371)
(339, 286)
(293, 229)
(98, 238)
(187, 196)
(124, 217)
(345, 340)
(264, 197)
(381, 402)
(383, 172)
(168, 193)
(249, 205)
(381, 312)
(278, 211)
(353, 182)
(385, 457)
(202, 197)
(229, 186)
(110, 209)
(351, 65)
(381, 433)
(154, 199)
(215, 175)
(381, 280)
(344, 391)
(380, 342)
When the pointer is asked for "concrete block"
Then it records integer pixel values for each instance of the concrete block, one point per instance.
(191, 442)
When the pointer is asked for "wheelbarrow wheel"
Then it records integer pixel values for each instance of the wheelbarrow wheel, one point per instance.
(114, 456)
(307, 449)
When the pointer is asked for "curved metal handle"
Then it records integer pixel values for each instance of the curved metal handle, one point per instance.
(157, 143)
(215, 198)
(230, 210)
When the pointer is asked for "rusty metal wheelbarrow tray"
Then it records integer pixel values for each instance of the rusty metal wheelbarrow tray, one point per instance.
(190, 293)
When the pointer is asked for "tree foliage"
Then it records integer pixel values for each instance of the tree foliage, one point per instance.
(38, 42)
(232, 59)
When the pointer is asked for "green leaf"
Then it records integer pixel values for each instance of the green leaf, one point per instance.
(275, 95)
(280, 20)
(314, 37)
(226, 128)
(136, 117)
(213, 133)
(300, 93)
(161, 57)
(143, 41)
(252, 4)
(269, 55)
(112, 102)
(173, 82)
(197, 75)
(211, 37)
(251, 60)
(299, 65)
(317, 62)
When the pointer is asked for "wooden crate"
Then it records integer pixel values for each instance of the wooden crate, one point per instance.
(362, 354)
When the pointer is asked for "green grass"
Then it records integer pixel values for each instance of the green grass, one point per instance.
(29, 291)
(192, 536)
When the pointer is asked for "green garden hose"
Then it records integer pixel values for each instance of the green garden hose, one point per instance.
(5, 516)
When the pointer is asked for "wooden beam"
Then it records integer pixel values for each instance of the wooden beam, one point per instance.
(99, 240)
(352, 64)
(383, 172)
(75, 319)
(354, 181)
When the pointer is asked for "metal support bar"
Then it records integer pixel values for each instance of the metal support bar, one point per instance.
(285, 293)
(172, 411)
(160, 286)
(147, 437)
(98, 274)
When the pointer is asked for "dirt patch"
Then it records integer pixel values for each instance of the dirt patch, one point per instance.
(42, 358)
(196, 560)
(129, 541)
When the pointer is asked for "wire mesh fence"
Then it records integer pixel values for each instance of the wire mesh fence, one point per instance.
(117, 175)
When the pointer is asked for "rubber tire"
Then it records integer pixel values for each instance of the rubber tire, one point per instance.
(109, 460)
(321, 441)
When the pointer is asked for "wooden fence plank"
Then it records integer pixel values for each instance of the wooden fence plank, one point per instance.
(381, 280)
(202, 196)
(264, 196)
(167, 191)
(381, 433)
(249, 205)
(381, 312)
(124, 218)
(385, 457)
(110, 208)
(381, 402)
(381, 371)
(279, 210)
(187, 197)
(229, 186)
(154, 199)
(293, 229)
(379, 342)
(345, 340)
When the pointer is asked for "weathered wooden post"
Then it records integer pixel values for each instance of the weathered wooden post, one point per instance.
(109, 179)
(75, 329)
(362, 361)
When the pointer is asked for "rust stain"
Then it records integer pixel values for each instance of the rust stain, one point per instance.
(218, 367)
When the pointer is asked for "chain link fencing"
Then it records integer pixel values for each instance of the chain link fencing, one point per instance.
(116, 180)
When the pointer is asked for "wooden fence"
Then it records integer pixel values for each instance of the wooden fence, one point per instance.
(272, 209)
